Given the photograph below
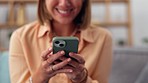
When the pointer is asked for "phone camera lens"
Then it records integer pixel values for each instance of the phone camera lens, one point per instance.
(57, 42)
(61, 45)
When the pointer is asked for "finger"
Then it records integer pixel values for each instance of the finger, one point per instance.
(62, 58)
(56, 62)
(68, 67)
(51, 44)
(61, 64)
(45, 53)
(55, 57)
(77, 57)
(52, 58)
(56, 67)
(50, 61)
(62, 71)
(45, 64)
(77, 68)
(72, 63)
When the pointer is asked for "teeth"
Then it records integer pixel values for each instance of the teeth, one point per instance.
(63, 11)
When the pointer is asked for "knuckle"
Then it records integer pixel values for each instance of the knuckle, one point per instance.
(62, 58)
(60, 65)
(81, 67)
(47, 70)
(43, 53)
(83, 61)
(57, 54)
(55, 67)
(49, 60)
(44, 63)
(65, 62)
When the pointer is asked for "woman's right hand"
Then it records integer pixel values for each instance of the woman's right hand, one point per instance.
(48, 69)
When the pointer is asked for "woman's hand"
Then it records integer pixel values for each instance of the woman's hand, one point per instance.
(79, 73)
(48, 69)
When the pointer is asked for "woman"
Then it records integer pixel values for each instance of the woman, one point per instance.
(31, 57)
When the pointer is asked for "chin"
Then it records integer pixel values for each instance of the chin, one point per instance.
(65, 21)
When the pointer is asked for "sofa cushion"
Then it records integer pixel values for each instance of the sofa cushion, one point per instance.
(4, 68)
(128, 64)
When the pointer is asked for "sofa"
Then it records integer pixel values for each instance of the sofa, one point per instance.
(130, 65)
(4, 67)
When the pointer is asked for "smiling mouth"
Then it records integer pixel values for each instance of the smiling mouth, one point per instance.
(65, 12)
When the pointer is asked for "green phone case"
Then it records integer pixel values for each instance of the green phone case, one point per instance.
(68, 44)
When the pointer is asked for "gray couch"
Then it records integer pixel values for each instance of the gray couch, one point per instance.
(130, 65)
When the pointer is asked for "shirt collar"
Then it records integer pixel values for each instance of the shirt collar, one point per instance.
(44, 28)
(90, 34)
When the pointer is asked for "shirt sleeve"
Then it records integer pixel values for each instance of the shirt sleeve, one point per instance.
(19, 72)
(102, 71)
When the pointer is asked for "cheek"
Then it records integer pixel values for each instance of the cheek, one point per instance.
(49, 5)
(79, 5)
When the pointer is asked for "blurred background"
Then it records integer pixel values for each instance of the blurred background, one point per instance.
(125, 19)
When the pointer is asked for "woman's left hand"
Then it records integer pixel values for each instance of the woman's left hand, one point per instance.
(79, 73)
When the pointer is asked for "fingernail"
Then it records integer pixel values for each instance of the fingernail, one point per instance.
(70, 70)
(62, 52)
(48, 56)
(69, 59)
(49, 49)
(70, 54)
(51, 53)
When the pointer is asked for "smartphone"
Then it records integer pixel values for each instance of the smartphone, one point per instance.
(68, 44)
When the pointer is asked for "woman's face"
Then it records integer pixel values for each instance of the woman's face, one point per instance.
(64, 11)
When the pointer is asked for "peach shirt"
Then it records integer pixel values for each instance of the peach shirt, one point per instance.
(28, 42)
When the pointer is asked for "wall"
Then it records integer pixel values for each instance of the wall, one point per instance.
(31, 15)
(139, 20)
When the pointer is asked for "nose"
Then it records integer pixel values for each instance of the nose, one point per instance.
(65, 3)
